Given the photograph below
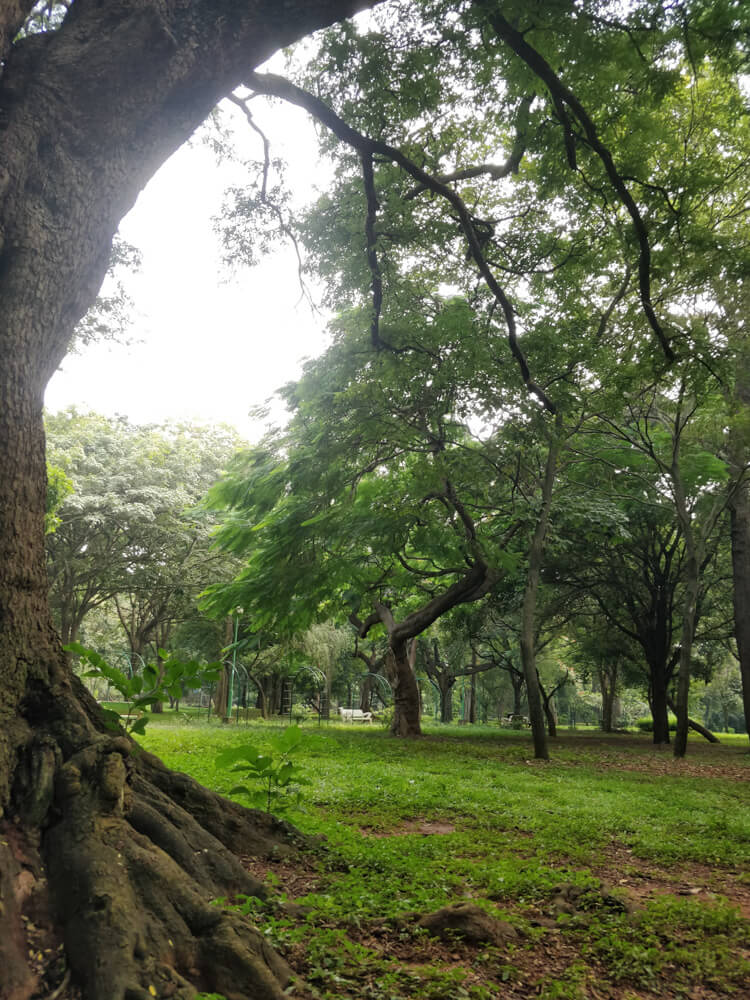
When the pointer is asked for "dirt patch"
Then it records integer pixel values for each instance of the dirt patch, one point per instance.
(293, 876)
(642, 880)
(631, 752)
(515, 971)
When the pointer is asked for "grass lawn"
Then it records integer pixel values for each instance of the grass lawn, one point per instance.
(610, 872)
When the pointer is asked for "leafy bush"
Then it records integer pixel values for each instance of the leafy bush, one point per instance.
(646, 724)
(168, 678)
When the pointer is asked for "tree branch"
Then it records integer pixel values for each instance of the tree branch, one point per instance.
(277, 86)
(368, 177)
(562, 96)
(495, 171)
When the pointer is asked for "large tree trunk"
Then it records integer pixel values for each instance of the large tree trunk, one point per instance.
(406, 704)
(130, 854)
(658, 700)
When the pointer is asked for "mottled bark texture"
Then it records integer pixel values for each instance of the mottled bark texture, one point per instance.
(87, 114)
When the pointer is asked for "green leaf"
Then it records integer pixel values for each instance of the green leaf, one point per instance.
(289, 740)
(285, 773)
(233, 754)
(111, 720)
(241, 790)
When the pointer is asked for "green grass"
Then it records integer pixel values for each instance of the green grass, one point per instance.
(519, 829)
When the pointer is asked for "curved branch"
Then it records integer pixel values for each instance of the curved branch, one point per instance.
(278, 86)
(562, 96)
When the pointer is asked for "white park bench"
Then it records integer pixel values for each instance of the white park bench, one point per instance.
(355, 715)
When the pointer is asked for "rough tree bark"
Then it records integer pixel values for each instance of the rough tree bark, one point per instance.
(130, 853)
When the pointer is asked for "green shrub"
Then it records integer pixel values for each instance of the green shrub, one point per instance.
(278, 777)
(646, 724)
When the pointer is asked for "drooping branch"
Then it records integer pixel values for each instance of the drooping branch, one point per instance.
(563, 97)
(277, 86)
(368, 176)
(284, 226)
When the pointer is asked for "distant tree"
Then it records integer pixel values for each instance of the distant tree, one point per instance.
(129, 534)
(363, 507)
(444, 668)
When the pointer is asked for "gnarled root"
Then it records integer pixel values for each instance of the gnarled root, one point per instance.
(132, 875)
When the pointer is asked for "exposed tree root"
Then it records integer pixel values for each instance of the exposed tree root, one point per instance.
(132, 856)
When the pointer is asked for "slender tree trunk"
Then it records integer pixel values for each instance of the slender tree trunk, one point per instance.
(692, 580)
(608, 684)
(528, 610)
(549, 712)
(473, 698)
(263, 703)
(740, 535)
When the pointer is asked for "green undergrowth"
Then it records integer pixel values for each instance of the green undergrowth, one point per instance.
(412, 826)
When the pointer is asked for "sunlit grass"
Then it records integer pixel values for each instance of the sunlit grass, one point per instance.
(512, 830)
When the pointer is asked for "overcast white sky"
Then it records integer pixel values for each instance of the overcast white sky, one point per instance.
(213, 346)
